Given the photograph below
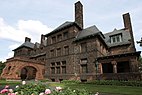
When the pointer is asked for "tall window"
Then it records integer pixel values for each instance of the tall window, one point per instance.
(52, 70)
(52, 53)
(53, 40)
(53, 64)
(66, 34)
(116, 38)
(59, 37)
(58, 63)
(83, 47)
(58, 53)
(83, 63)
(58, 70)
(84, 68)
(63, 69)
(66, 50)
(64, 63)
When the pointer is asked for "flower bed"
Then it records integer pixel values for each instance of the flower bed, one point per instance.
(38, 88)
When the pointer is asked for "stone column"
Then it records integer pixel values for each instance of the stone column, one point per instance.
(114, 63)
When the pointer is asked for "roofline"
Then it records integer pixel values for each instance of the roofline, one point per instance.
(21, 47)
(87, 37)
(119, 45)
(120, 55)
(55, 31)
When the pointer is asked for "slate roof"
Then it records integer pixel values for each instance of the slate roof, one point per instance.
(62, 26)
(26, 44)
(89, 32)
(125, 37)
(93, 30)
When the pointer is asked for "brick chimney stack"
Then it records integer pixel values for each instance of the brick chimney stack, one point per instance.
(27, 39)
(79, 14)
(127, 21)
(42, 39)
(128, 26)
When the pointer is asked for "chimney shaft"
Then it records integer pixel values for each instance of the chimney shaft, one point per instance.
(27, 39)
(127, 21)
(79, 14)
(128, 25)
(42, 38)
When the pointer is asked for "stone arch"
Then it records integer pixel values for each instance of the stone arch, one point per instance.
(28, 73)
(37, 71)
(15, 68)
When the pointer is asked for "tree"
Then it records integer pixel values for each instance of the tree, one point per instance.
(140, 42)
(2, 65)
(140, 65)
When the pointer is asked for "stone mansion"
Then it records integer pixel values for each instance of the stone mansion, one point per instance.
(72, 52)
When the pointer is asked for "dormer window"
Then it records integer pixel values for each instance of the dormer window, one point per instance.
(116, 38)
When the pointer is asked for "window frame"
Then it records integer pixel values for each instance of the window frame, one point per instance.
(116, 38)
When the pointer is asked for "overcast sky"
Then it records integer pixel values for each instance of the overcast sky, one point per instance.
(31, 18)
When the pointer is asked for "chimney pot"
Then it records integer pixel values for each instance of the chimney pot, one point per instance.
(27, 39)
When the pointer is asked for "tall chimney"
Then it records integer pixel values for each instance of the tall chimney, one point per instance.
(127, 21)
(42, 39)
(128, 26)
(79, 14)
(27, 39)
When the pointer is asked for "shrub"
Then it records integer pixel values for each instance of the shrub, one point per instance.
(45, 80)
(37, 88)
(116, 82)
(31, 88)
(68, 91)
(70, 81)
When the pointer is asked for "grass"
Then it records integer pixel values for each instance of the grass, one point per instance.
(4, 82)
(122, 90)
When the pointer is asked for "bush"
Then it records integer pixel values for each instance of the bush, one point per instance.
(70, 81)
(45, 80)
(116, 82)
(37, 88)
(31, 88)
(68, 91)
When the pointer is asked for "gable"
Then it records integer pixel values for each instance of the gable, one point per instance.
(125, 37)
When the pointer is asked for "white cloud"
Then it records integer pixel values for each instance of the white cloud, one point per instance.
(13, 46)
(23, 28)
(29, 28)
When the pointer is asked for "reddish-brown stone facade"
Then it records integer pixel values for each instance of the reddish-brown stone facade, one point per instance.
(71, 52)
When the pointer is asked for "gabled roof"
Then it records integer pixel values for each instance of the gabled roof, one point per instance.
(63, 26)
(67, 23)
(88, 32)
(125, 37)
(26, 44)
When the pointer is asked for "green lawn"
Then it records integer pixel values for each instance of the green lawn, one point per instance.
(3, 82)
(123, 90)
